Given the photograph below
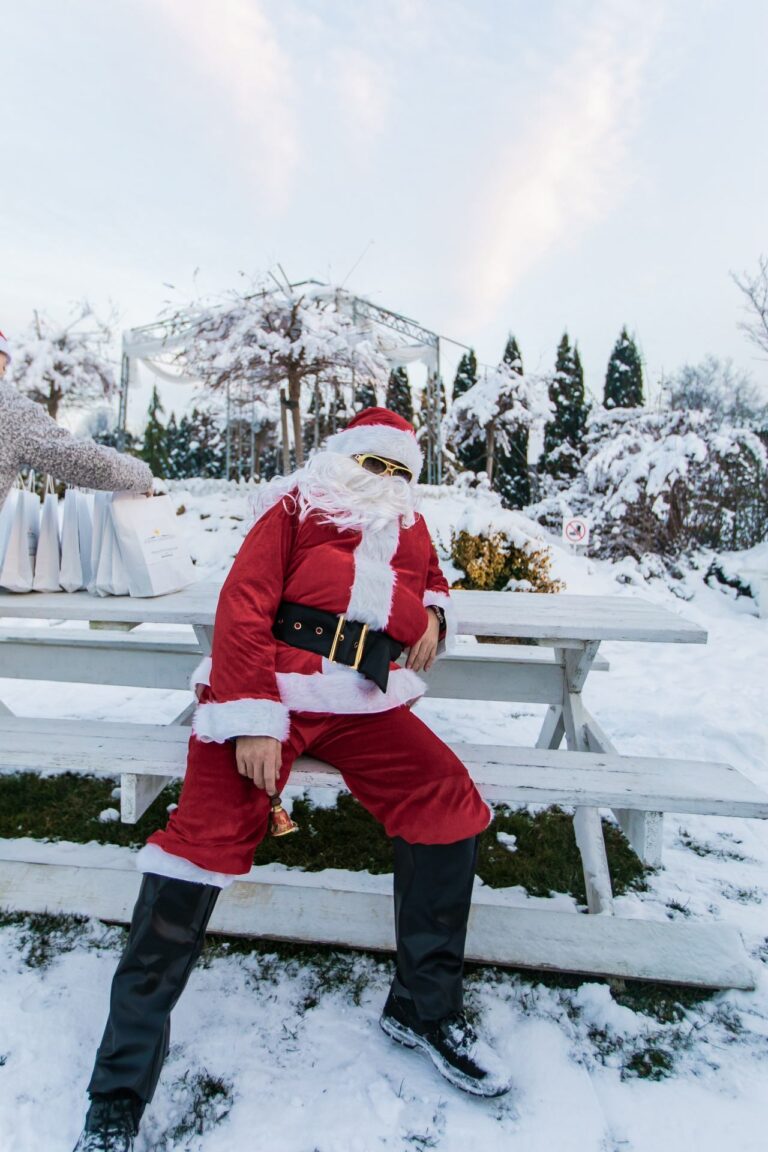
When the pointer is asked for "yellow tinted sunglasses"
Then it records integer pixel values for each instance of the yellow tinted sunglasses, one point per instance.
(381, 467)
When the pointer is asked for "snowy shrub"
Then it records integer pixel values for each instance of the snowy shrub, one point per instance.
(493, 563)
(666, 482)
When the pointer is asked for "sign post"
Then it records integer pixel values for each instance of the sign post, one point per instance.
(576, 531)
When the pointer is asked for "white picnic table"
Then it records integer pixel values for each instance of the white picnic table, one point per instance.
(563, 633)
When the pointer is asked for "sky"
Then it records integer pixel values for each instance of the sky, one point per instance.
(482, 166)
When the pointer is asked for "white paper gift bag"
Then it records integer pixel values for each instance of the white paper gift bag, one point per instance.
(18, 569)
(71, 578)
(85, 533)
(110, 578)
(100, 519)
(48, 558)
(6, 519)
(156, 558)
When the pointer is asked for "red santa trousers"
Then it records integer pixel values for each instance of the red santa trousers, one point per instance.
(398, 769)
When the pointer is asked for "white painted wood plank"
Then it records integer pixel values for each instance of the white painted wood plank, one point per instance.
(588, 829)
(528, 615)
(358, 913)
(504, 774)
(137, 793)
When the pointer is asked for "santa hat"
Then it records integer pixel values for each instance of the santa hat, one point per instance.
(383, 433)
(4, 347)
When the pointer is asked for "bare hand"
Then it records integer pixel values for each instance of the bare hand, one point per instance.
(422, 655)
(259, 758)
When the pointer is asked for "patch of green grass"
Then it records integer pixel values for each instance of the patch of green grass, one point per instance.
(546, 858)
(43, 937)
(67, 807)
(201, 1101)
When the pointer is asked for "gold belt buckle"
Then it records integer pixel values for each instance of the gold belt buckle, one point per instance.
(360, 646)
(339, 635)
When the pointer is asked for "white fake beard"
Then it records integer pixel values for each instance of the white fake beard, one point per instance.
(350, 496)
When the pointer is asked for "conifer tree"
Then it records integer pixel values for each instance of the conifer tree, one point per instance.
(510, 473)
(206, 450)
(624, 378)
(154, 445)
(365, 395)
(564, 433)
(466, 374)
(399, 398)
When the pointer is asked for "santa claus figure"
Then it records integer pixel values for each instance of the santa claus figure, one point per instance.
(337, 578)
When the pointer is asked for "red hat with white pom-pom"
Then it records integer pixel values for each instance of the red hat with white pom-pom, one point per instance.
(5, 347)
(382, 432)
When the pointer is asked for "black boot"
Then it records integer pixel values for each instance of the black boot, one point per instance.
(451, 1044)
(111, 1124)
(166, 938)
(433, 892)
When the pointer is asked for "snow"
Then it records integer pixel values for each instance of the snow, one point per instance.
(296, 1038)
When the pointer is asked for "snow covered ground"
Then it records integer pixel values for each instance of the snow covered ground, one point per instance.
(275, 1050)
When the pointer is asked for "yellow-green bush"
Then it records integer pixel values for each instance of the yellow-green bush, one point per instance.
(491, 562)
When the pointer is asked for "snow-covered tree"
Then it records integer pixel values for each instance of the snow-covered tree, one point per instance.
(64, 366)
(365, 395)
(564, 433)
(485, 422)
(432, 409)
(205, 456)
(715, 386)
(154, 448)
(268, 340)
(624, 378)
(399, 397)
(466, 374)
(511, 478)
(665, 482)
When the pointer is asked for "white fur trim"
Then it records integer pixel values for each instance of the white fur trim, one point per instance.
(370, 600)
(201, 674)
(215, 723)
(381, 440)
(342, 691)
(153, 858)
(444, 601)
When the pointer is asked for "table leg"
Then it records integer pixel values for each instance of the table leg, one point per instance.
(643, 830)
(586, 821)
(5, 710)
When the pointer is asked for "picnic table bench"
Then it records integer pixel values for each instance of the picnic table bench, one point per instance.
(563, 632)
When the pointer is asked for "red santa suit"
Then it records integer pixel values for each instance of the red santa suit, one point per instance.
(381, 572)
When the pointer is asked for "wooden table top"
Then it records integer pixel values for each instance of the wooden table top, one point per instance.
(527, 615)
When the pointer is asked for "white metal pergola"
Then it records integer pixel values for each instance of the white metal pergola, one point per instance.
(401, 340)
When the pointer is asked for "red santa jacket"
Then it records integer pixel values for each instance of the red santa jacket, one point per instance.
(384, 578)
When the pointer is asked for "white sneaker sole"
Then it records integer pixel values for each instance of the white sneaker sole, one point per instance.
(401, 1034)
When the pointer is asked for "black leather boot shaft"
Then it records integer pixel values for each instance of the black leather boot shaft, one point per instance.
(433, 890)
(165, 940)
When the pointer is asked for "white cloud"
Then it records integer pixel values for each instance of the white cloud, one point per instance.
(235, 45)
(364, 91)
(571, 161)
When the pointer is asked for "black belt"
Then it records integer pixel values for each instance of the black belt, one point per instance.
(340, 640)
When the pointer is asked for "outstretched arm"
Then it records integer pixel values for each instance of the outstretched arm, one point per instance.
(44, 445)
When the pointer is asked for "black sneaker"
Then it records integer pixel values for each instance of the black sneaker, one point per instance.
(111, 1124)
(451, 1044)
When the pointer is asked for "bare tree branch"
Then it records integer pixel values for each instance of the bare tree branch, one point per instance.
(754, 288)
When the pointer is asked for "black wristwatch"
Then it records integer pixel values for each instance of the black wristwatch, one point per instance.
(440, 613)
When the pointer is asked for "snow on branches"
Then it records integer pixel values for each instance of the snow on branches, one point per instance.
(666, 482)
(271, 339)
(64, 366)
(487, 415)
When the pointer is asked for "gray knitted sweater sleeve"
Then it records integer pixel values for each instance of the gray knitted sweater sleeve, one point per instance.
(28, 436)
